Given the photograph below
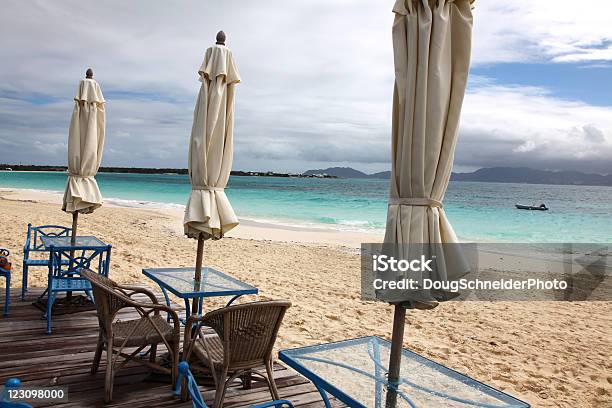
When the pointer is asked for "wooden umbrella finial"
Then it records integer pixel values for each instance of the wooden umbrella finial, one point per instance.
(89, 73)
(221, 38)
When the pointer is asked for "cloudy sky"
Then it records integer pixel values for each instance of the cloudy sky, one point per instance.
(317, 80)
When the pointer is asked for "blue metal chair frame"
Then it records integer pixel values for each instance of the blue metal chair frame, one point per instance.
(6, 274)
(65, 264)
(276, 404)
(191, 384)
(34, 245)
(196, 398)
(5, 402)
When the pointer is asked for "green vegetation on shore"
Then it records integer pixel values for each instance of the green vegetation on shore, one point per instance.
(143, 170)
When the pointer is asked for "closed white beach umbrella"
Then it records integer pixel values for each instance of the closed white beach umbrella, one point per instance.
(85, 146)
(431, 46)
(209, 214)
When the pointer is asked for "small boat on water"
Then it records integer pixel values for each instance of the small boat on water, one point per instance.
(541, 207)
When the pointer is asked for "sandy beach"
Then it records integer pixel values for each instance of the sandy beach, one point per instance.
(550, 354)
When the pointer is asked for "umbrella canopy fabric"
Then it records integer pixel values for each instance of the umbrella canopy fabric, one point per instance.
(85, 145)
(431, 46)
(208, 210)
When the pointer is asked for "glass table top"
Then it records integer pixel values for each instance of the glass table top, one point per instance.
(64, 242)
(181, 282)
(355, 372)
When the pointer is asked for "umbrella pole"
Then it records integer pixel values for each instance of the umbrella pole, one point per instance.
(198, 272)
(395, 357)
(75, 220)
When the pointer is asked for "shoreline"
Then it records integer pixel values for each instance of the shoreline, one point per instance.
(247, 229)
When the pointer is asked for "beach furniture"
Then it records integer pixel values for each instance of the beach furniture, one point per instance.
(356, 373)
(244, 340)
(196, 398)
(66, 261)
(5, 400)
(275, 404)
(186, 377)
(6, 274)
(116, 337)
(182, 283)
(34, 246)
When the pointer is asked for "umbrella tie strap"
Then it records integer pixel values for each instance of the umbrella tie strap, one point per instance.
(79, 176)
(415, 201)
(208, 188)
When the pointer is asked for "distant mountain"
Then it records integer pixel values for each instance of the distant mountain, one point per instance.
(347, 172)
(532, 176)
(386, 175)
(342, 172)
(490, 174)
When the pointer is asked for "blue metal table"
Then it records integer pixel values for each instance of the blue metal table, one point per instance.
(63, 244)
(65, 263)
(181, 282)
(355, 372)
(81, 242)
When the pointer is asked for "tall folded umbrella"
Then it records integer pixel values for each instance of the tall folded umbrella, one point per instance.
(209, 214)
(85, 145)
(431, 46)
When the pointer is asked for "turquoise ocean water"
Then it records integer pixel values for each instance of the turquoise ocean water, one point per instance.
(482, 212)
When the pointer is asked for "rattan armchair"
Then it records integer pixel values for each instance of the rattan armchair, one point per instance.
(115, 337)
(243, 341)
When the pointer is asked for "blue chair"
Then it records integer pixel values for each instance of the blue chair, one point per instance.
(191, 385)
(276, 404)
(6, 274)
(34, 245)
(5, 401)
(65, 265)
(196, 398)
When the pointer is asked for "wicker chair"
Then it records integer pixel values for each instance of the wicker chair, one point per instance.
(244, 340)
(149, 330)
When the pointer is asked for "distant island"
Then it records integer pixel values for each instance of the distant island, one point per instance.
(492, 174)
(348, 172)
(523, 175)
(527, 175)
(147, 170)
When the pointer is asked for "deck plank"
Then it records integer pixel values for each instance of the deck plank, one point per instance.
(64, 358)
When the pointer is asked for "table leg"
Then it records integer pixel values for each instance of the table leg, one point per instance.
(323, 395)
(187, 310)
(200, 306)
(167, 302)
(377, 374)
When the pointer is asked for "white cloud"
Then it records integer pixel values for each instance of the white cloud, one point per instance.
(542, 30)
(317, 80)
(527, 126)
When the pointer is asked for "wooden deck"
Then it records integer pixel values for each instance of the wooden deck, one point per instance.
(64, 359)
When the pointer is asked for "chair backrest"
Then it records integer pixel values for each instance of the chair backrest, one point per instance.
(65, 262)
(33, 239)
(107, 297)
(247, 331)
